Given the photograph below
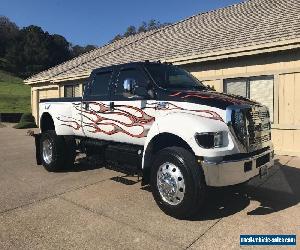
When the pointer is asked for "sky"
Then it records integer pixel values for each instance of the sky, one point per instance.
(95, 22)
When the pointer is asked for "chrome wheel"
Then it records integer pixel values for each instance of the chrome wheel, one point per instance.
(170, 183)
(47, 151)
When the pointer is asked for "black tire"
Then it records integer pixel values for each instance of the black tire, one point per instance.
(194, 181)
(63, 151)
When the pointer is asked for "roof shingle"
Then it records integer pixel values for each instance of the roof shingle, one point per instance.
(253, 22)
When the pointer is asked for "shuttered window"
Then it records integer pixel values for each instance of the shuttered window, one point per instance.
(237, 87)
(72, 91)
(260, 89)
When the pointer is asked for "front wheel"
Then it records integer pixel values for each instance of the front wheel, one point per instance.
(57, 152)
(177, 182)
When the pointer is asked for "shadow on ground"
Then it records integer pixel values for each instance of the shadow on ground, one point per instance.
(277, 192)
(280, 190)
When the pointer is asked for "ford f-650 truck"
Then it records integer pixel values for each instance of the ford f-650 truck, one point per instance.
(159, 119)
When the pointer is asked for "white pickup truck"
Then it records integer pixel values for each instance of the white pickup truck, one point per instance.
(160, 120)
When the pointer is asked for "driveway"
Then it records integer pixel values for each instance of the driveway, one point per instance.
(92, 207)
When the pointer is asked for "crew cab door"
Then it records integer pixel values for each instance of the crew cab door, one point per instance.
(133, 110)
(95, 105)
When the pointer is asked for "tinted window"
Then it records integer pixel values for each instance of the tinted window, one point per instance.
(168, 76)
(100, 85)
(135, 74)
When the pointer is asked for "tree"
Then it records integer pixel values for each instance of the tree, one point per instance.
(116, 38)
(132, 30)
(8, 32)
(30, 50)
(153, 24)
(78, 50)
(142, 27)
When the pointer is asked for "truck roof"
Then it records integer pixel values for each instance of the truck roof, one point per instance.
(125, 65)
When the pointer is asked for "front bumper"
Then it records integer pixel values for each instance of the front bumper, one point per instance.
(219, 172)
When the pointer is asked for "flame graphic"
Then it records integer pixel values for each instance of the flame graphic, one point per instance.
(99, 118)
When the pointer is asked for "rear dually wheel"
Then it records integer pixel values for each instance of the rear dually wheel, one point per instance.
(57, 152)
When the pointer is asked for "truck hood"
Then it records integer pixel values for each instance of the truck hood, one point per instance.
(208, 98)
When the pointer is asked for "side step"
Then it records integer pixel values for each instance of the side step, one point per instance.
(122, 157)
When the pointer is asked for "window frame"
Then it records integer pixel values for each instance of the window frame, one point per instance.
(248, 92)
(87, 92)
(73, 89)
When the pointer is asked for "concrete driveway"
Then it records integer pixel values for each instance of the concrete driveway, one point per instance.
(95, 208)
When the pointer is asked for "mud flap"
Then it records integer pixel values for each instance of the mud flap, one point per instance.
(37, 138)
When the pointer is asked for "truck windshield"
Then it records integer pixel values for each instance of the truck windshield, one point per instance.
(172, 77)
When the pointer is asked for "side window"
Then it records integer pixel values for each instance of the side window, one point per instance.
(131, 73)
(72, 91)
(100, 84)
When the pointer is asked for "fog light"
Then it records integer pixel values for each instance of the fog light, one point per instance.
(248, 166)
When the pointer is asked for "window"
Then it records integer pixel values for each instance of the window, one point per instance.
(131, 73)
(72, 91)
(100, 84)
(168, 76)
(260, 89)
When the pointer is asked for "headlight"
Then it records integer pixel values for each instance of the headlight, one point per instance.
(210, 139)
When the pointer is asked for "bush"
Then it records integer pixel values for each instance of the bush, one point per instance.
(26, 121)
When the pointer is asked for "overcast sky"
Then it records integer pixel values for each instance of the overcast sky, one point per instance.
(96, 22)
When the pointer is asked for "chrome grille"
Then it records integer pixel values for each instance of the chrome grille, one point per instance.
(251, 126)
(259, 126)
(259, 140)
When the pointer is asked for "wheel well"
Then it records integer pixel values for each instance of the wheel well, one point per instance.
(47, 122)
(156, 144)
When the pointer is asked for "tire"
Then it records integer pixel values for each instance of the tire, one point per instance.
(182, 198)
(57, 152)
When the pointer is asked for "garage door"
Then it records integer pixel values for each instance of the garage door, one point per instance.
(43, 94)
(48, 93)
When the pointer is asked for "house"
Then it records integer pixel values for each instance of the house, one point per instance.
(250, 49)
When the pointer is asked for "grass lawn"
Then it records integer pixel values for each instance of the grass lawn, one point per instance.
(14, 95)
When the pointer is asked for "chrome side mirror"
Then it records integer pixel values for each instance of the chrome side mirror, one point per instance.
(129, 84)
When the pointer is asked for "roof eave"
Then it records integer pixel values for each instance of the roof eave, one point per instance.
(213, 56)
(245, 51)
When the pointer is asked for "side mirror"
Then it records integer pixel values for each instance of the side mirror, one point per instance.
(211, 87)
(129, 85)
(132, 89)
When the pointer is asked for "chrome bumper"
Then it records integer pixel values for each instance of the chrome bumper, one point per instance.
(219, 173)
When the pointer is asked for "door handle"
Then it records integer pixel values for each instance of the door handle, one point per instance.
(86, 105)
(111, 105)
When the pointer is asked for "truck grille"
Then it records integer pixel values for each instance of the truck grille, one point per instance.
(252, 127)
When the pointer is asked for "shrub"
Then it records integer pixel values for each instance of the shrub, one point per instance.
(26, 121)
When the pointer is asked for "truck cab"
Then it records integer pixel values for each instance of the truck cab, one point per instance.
(162, 122)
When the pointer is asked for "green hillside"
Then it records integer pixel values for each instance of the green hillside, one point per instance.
(14, 95)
